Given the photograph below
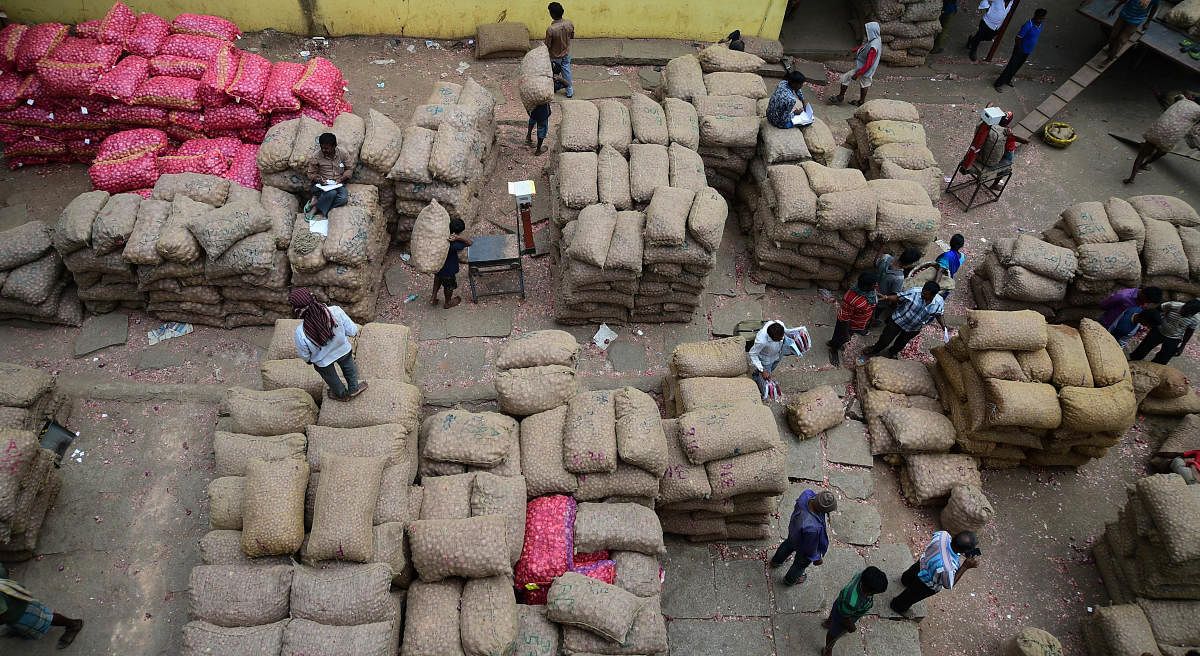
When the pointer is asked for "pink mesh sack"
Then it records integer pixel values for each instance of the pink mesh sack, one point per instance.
(87, 29)
(123, 80)
(211, 163)
(253, 135)
(227, 146)
(125, 174)
(233, 116)
(117, 24)
(222, 66)
(37, 43)
(549, 540)
(168, 92)
(148, 35)
(244, 168)
(176, 66)
(133, 115)
(191, 45)
(138, 141)
(86, 50)
(278, 96)
(250, 81)
(321, 85)
(202, 25)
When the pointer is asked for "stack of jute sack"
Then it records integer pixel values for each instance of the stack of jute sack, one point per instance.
(29, 481)
(683, 233)
(33, 282)
(730, 113)
(1163, 390)
(819, 225)
(907, 29)
(596, 263)
(888, 141)
(1023, 392)
(1149, 559)
(536, 373)
(30, 399)
(447, 153)
(1144, 241)
(91, 247)
(725, 461)
(463, 547)
(900, 389)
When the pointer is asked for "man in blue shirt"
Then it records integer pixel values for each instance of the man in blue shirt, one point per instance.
(808, 534)
(949, 8)
(1134, 14)
(1026, 39)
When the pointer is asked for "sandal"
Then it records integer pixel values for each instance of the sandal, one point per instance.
(856, 103)
(358, 391)
(836, 100)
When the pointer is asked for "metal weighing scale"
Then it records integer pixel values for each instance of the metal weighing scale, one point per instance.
(492, 254)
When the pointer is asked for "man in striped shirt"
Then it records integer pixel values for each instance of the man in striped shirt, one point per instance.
(855, 312)
(915, 307)
(1178, 323)
(852, 603)
(939, 568)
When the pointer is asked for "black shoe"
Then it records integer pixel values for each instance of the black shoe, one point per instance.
(935, 51)
(795, 581)
(892, 605)
(1009, 84)
(775, 564)
(998, 89)
(835, 358)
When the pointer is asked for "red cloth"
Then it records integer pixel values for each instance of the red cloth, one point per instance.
(856, 309)
(871, 55)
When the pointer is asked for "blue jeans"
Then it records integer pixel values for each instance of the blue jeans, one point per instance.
(565, 62)
(327, 200)
(349, 369)
(757, 376)
(786, 548)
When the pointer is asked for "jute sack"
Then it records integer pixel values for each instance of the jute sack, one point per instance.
(74, 228)
(722, 358)
(470, 438)
(919, 430)
(345, 509)
(23, 386)
(681, 480)
(683, 125)
(901, 376)
(383, 402)
(224, 547)
(577, 179)
(666, 217)
(447, 497)
(881, 109)
(1116, 261)
(1087, 223)
(535, 634)
(1181, 405)
(431, 622)
(204, 638)
(1071, 366)
(687, 168)
(385, 350)
(1173, 510)
(593, 235)
(1125, 221)
(823, 179)
(1144, 379)
(1033, 642)
(722, 431)
(781, 146)
(1105, 356)
(719, 57)
(1163, 254)
(615, 129)
(233, 450)
(612, 179)
(538, 348)
(269, 413)
(649, 169)
(273, 507)
(239, 596)
(175, 242)
(885, 132)
(762, 472)
(637, 573)
(450, 157)
(1031, 405)
(729, 131)
(314, 639)
(967, 510)
(683, 78)
(541, 454)
(647, 635)
(1165, 208)
(910, 156)
(649, 123)
(1037, 366)
(906, 223)
(1023, 330)
(814, 412)
(726, 105)
(706, 219)
(998, 364)
(640, 438)
(535, 90)
(412, 164)
(382, 141)
(1122, 628)
(1172, 382)
(1097, 409)
(114, 222)
(345, 596)
(818, 138)
(225, 499)
(589, 433)
(846, 210)
(707, 390)
(211, 190)
(951, 368)
(930, 178)
(580, 123)
(1042, 258)
(503, 496)
(794, 198)
(276, 148)
(469, 548)
(535, 62)
(930, 477)
(488, 618)
(603, 608)
(749, 85)
(617, 526)
(430, 243)
(530, 390)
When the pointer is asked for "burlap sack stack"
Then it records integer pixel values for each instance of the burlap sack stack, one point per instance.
(289, 145)
(726, 464)
(599, 260)
(1023, 392)
(1163, 390)
(729, 114)
(888, 141)
(682, 235)
(34, 284)
(907, 29)
(90, 247)
(1095, 249)
(1149, 559)
(448, 152)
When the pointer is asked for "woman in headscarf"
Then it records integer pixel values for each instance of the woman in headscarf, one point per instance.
(321, 340)
(866, 60)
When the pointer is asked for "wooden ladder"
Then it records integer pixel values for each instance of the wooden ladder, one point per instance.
(1034, 121)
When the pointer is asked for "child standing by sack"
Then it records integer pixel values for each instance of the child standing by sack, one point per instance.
(447, 276)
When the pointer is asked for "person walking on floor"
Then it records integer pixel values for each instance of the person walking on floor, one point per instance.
(995, 11)
(866, 60)
(940, 567)
(1123, 299)
(540, 116)
(327, 166)
(891, 272)
(808, 534)
(558, 42)
(1026, 39)
(852, 603)
(949, 8)
(1134, 14)
(322, 341)
(1176, 327)
(915, 307)
(854, 314)
(447, 277)
(1180, 121)
(766, 353)
(29, 618)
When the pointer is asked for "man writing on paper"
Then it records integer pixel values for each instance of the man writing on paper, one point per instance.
(787, 103)
(328, 170)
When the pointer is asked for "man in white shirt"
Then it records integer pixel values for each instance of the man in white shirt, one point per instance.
(995, 11)
(766, 353)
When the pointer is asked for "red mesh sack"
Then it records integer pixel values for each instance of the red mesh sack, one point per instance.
(31, 89)
(144, 193)
(320, 84)
(213, 26)
(248, 84)
(222, 67)
(62, 135)
(9, 133)
(15, 163)
(69, 79)
(168, 92)
(222, 134)
(87, 29)
(233, 117)
(10, 38)
(183, 133)
(86, 50)
(84, 150)
(244, 168)
(123, 80)
(253, 135)
(117, 24)
(278, 96)
(579, 560)
(38, 42)
(37, 147)
(136, 115)
(534, 594)
(227, 146)
(280, 117)
(27, 115)
(193, 121)
(549, 540)
(317, 115)
(127, 143)
(602, 570)
(125, 174)
(176, 66)
(211, 163)
(345, 107)
(89, 117)
(10, 90)
(191, 45)
(149, 35)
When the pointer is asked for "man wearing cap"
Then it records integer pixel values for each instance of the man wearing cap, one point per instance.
(808, 534)
(940, 568)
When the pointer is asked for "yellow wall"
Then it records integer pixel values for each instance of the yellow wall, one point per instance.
(675, 19)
